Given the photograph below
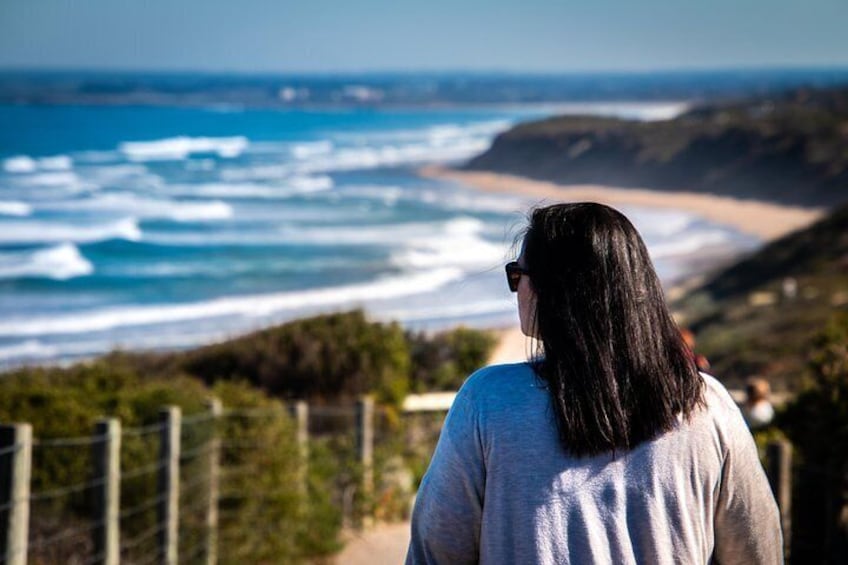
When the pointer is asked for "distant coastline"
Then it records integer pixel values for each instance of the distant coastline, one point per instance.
(764, 220)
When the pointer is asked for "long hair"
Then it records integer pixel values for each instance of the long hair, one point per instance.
(613, 358)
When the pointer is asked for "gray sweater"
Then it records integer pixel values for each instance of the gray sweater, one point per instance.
(500, 489)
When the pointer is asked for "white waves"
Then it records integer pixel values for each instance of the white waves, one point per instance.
(311, 149)
(419, 246)
(246, 306)
(385, 234)
(25, 164)
(179, 148)
(359, 158)
(639, 111)
(56, 163)
(53, 179)
(127, 203)
(459, 244)
(20, 164)
(29, 349)
(689, 244)
(60, 262)
(39, 231)
(14, 208)
(287, 188)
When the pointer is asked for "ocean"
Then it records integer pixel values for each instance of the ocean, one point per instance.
(168, 227)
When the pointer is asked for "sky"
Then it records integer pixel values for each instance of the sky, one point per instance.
(327, 36)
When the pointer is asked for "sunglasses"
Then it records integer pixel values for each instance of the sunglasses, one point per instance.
(513, 275)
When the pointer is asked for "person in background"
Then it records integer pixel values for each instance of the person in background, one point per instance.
(608, 446)
(701, 362)
(757, 409)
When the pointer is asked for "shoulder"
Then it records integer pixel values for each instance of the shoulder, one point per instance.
(498, 389)
(723, 412)
(716, 395)
(493, 379)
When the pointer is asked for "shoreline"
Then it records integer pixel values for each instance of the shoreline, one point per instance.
(764, 220)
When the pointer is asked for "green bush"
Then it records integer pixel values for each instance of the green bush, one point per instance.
(443, 361)
(334, 356)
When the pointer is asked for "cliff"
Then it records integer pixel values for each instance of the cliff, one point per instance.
(790, 149)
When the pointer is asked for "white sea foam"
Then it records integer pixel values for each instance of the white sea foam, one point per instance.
(309, 149)
(468, 201)
(460, 311)
(178, 148)
(14, 208)
(435, 134)
(688, 244)
(19, 232)
(202, 239)
(20, 164)
(116, 172)
(256, 173)
(29, 349)
(288, 188)
(53, 179)
(246, 306)
(440, 144)
(660, 224)
(125, 203)
(56, 163)
(222, 190)
(310, 184)
(60, 262)
(384, 235)
(641, 111)
(357, 158)
(458, 244)
(27, 164)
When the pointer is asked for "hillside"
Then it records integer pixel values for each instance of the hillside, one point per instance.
(790, 149)
(759, 315)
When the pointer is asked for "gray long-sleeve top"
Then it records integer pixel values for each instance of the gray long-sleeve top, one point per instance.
(500, 489)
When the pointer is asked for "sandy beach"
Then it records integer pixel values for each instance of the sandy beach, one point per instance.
(763, 220)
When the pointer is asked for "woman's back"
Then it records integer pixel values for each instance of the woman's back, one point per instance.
(687, 496)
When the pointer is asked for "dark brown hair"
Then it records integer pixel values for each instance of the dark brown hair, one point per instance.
(613, 358)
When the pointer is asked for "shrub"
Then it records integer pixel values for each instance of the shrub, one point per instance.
(334, 356)
(443, 361)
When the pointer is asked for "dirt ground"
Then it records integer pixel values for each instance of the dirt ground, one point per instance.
(382, 544)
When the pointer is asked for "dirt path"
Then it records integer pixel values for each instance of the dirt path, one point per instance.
(384, 544)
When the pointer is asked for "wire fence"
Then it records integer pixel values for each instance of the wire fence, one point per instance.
(211, 477)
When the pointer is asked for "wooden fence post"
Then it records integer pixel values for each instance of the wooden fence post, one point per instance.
(779, 470)
(214, 483)
(301, 417)
(365, 446)
(15, 471)
(107, 470)
(300, 413)
(169, 484)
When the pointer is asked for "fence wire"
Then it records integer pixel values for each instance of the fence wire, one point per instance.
(249, 455)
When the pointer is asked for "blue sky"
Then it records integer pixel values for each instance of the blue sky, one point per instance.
(377, 35)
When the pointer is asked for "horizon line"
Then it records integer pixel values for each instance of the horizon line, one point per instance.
(761, 68)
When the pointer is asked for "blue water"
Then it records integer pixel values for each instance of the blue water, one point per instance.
(146, 227)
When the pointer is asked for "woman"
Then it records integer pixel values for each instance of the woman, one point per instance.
(609, 446)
